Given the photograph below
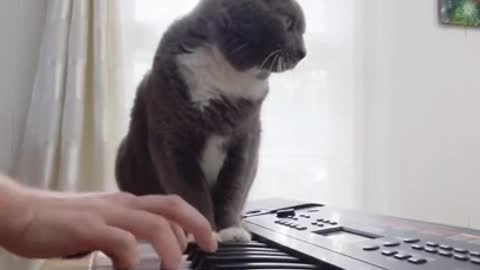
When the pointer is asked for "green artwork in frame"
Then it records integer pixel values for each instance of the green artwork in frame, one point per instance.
(460, 12)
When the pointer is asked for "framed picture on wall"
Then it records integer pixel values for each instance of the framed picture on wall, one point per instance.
(460, 12)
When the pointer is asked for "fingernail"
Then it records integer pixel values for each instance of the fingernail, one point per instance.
(214, 244)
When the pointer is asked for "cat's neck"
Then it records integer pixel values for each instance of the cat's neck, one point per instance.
(209, 77)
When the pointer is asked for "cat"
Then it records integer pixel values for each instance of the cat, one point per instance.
(195, 126)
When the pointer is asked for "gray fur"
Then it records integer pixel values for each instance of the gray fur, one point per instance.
(169, 130)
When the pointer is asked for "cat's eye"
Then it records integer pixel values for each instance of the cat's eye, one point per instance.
(288, 22)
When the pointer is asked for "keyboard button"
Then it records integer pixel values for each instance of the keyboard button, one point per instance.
(460, 250)
(431, 250)
(314, 223)
(411, 240)
(391, 244)
(371, 248)
(402, 256)
(416, 260)
(302, 228)
(389, 252)
(446, 247)
(475, 253)
(417, 247)
(333, 223)
(461, 257)
(432, 244)
(475, 261)
(445, 253)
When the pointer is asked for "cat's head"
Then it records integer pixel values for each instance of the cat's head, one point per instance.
(262, 34)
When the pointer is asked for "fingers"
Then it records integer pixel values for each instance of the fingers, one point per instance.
(181, 213)
(165, 238)
(181, 237)
(119, 245)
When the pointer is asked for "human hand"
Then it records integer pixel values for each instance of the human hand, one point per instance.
(64, 225)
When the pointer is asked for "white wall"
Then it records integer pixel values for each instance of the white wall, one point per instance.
(21, 24)
(423, 109)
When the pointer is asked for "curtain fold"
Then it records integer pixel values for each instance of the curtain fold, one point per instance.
(76, 116)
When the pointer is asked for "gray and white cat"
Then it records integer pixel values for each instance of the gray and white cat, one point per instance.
(195, 126)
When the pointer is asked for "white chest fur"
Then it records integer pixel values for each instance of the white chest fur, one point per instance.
(210, 76)
(212, 158)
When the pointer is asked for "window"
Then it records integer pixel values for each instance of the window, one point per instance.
(307, 146)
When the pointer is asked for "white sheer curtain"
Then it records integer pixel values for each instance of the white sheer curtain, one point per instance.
(308, 149)
(76, 115)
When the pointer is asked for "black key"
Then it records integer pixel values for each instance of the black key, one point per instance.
(402, 256)
(460, 250)
(446, 247)
(278, 221)
(389, 252)
(475, 253)
(290, 266)
(320, 220)
(411, 240)
(431, 250)
(236, 244)
(371, 248)
(206, 261)
(333, 223)
(314, 223)
(432, 244)
(302, 228)
(256, 253)
(445, 253)
(417, 247)
(416, 260)
(475, 261)
(246, 249)
(461, 257)
(216, 259)
(391, 244)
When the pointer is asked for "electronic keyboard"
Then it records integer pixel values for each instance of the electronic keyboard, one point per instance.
(296, 235)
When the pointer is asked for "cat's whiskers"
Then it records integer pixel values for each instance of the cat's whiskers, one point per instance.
(280, 64)
(268, 57)
(274, 61)
(239, 48)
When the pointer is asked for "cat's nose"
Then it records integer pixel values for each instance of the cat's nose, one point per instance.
(301, 53)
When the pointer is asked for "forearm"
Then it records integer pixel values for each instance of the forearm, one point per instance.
(14, 208)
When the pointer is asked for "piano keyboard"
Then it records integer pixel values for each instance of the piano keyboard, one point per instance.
(253, 255)
(229, 256)
(293, 235)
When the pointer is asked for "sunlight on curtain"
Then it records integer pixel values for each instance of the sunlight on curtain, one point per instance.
(307, 146)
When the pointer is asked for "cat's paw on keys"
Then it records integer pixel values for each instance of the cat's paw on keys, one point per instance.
(233, 234)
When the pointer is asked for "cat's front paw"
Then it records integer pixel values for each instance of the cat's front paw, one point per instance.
(233, 234)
